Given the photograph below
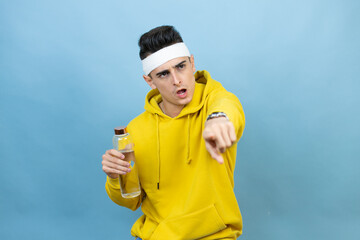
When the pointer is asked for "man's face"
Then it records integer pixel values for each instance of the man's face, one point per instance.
(175, 81)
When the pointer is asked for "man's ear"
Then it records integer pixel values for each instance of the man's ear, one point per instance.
(192, 63)
(149, 81)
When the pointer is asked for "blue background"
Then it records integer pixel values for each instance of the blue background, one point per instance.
(70, 72)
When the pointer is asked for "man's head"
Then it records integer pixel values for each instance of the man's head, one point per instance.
(168, 67)
(156, 39)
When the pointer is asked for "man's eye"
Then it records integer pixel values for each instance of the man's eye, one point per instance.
(181, 66)
(163, 74)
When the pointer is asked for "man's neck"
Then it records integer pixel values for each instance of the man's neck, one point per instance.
(171, 111)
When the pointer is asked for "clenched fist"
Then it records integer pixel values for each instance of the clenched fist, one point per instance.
(115, 164)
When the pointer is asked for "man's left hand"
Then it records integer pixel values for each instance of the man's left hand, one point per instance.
(219, 134)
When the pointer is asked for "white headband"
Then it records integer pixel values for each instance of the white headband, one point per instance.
(164, 55)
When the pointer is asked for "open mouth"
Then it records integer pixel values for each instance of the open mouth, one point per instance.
(181, 92)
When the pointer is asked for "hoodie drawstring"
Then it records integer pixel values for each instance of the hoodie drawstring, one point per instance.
(158, 149)
(188, 157)
(188, 153)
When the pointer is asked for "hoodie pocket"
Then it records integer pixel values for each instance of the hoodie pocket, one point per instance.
(195, 225)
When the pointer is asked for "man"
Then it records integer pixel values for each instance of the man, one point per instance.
(185, 148)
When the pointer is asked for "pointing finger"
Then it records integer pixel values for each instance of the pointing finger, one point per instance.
(211, 148)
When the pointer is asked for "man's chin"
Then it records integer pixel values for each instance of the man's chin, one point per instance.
(185, 101)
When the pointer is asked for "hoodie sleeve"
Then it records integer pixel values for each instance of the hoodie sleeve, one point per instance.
(224, 101)
(112, 187)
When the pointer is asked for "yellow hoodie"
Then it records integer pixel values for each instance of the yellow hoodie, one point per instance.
(185, 193)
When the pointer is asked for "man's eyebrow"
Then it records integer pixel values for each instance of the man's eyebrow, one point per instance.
(162, 72)
(167, 71)
(177, 65)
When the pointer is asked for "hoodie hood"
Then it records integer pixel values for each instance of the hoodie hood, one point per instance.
(204, 84)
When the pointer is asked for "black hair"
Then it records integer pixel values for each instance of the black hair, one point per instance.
(156, 39)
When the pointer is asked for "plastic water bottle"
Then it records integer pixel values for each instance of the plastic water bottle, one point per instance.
(129, 183)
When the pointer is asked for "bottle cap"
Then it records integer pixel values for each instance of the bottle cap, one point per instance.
(120, 130)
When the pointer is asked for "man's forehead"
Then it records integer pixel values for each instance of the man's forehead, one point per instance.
(170, 64)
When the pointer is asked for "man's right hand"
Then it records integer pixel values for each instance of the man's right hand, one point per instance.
(114, 163)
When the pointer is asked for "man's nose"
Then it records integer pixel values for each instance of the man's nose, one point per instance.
(176, 79)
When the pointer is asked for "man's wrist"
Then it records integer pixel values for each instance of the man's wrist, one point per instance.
(217, 115)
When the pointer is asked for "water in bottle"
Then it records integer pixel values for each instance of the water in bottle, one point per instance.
(129, 183)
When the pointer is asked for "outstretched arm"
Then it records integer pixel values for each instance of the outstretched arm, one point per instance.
(223, 131)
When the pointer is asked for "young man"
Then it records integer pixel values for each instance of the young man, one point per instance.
(185, 147)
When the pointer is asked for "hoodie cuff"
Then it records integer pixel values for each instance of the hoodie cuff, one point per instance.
(114, 182)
